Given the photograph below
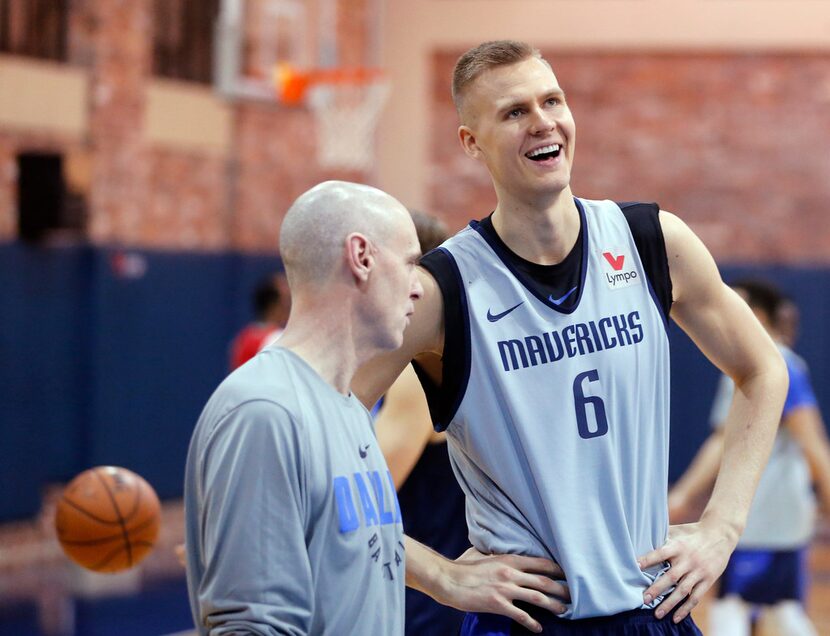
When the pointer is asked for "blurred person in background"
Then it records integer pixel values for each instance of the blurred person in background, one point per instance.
(767, 573)
(788, 322)
(271, 302)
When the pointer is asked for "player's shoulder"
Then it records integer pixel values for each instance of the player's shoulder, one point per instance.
(439, 262)
(629, 209)
(638, 207)
(643, 217)
(676, 233)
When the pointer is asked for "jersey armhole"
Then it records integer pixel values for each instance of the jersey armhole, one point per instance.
(444, 400)
(644, 222)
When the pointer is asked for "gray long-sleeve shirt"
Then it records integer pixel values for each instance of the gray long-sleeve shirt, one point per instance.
(292, 522)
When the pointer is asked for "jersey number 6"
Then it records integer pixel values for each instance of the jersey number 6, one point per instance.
(581, 402)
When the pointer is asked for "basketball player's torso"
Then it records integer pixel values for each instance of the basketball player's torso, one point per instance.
(561, 436)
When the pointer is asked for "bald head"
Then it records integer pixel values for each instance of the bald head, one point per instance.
(314, 231)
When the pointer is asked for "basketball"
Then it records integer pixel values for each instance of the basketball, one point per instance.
(107, 519)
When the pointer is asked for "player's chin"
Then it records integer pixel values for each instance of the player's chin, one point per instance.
(559, 179)
(553, 182)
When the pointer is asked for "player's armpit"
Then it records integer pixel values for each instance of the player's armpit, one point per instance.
(425, 334)
(487, 583)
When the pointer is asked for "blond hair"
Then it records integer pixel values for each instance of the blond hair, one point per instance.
(484, 57)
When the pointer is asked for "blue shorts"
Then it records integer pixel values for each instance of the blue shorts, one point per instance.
(637, 622)
(765, 577)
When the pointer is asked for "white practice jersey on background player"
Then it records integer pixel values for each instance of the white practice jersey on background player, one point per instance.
(783, 512)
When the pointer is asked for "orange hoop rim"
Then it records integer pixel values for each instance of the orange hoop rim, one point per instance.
(291, 83)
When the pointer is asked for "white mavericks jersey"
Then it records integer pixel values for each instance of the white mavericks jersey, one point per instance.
(561, 437)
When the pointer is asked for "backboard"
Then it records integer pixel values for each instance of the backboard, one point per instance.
(254, 36)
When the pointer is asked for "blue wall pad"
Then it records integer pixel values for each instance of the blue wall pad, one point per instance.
(108, 356)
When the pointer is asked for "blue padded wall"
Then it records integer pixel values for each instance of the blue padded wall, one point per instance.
(44, 370)
(97, 368)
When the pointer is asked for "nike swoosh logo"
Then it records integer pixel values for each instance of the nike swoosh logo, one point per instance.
(496, 317)
(363, 450)
(559, 301)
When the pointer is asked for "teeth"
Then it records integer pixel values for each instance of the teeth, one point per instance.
(543, 150)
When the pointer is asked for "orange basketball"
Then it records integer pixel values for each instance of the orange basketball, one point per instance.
(108, 519)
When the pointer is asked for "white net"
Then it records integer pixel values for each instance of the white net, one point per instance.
(346, 116)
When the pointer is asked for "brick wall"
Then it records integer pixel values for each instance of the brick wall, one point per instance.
(186, 201)
(120, 159)
(737, 145)
(274, 163)
(167, 197)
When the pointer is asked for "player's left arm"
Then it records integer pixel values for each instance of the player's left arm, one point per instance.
(727, 332)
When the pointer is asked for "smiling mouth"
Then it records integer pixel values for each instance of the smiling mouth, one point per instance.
(545, 152)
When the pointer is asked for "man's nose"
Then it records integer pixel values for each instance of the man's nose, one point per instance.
(417, 290)
(542, 122)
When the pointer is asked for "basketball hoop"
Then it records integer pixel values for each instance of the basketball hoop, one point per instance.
(346, 104)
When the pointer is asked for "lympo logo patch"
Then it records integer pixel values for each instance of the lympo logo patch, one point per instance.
(616, 262)
(619, 271)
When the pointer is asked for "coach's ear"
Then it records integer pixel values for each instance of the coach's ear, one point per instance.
(468, 142)
(360, 256)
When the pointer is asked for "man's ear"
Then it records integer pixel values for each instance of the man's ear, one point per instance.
(360, 256)
(468, 142)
